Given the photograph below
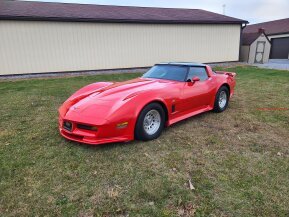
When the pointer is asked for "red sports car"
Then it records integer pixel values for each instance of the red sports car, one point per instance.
(105, 112)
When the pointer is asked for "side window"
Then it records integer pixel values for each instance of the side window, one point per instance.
(198, 72)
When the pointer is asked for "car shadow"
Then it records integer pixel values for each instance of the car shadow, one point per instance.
(103, 147)
(110, 146)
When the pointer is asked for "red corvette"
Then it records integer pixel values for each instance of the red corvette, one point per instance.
(105, 112)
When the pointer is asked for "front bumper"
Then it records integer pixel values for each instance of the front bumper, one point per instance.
(104, 134)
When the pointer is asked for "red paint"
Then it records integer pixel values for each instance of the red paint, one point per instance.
(107, 104)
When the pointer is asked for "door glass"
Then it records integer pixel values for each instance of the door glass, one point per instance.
(198, 72)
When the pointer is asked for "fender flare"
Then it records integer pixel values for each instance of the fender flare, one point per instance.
(157, 100)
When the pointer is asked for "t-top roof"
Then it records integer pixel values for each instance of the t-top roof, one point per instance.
(182, 63)
(26, 10)
(271, 28)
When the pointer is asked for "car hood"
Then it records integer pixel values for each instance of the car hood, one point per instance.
(121, 90)
(99, 105)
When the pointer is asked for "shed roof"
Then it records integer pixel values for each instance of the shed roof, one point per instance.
(249, 38)
(28, 10)
(271, 28)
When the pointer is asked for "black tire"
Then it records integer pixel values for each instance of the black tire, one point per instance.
(217, 107)
(140, 132)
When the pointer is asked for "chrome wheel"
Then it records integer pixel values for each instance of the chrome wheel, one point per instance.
(152, 122)
(222, 99)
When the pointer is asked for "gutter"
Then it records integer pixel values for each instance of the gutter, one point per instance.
(103, 20)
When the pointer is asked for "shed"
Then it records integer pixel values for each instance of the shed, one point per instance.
(255, 47)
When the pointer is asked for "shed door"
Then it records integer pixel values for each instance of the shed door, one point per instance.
(260, 51)
(280, 48)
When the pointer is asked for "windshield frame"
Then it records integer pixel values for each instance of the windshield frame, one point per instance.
(185, 66)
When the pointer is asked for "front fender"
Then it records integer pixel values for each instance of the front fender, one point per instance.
(131, 107)
(89, 89)
(81, 94)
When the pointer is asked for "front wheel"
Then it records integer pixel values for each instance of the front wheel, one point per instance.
(150, 123)
(222, 99)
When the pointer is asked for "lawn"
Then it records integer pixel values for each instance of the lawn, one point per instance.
(238, 160)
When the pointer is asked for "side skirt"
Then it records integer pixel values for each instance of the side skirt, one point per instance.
(189, 114)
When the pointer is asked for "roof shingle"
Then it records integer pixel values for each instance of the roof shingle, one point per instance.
(271, 28)
(249, 38)
(25, 10)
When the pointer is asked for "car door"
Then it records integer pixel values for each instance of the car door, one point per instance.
(196, 95)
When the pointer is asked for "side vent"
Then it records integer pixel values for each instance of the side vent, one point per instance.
(173, 108)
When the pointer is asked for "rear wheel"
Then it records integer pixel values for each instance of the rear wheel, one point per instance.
(150, 123)
(222, 99)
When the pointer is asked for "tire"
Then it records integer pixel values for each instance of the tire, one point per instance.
(150, 122)
(222, 99)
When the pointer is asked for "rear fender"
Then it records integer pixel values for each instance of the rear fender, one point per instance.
(230, 80)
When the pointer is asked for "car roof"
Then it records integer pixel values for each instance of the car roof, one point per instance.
(182, 63)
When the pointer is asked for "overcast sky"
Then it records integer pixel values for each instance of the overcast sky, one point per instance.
(254, 11)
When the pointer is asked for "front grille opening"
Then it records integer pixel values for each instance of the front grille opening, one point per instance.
(67, 125)
(86, 127)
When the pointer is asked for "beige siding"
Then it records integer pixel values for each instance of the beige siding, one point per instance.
(244, 53)
(266, 54)
(37, 46)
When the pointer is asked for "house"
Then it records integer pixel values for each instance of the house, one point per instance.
(40, 37)
(277, 32)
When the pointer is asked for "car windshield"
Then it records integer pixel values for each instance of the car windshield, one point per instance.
(168, 72)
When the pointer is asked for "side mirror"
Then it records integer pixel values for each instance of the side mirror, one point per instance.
(195, 79)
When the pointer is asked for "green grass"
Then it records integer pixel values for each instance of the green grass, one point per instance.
(230, 157)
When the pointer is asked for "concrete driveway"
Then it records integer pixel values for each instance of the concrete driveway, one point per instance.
(275, 64)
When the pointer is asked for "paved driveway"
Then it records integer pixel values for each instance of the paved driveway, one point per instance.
(275, 64)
